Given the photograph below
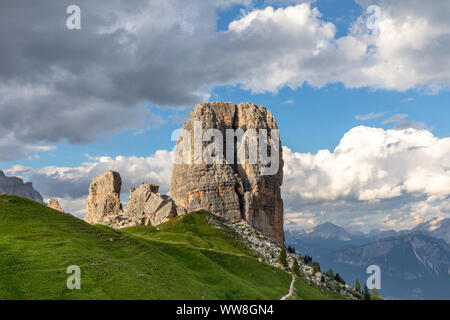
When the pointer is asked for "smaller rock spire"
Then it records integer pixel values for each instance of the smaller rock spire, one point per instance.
(54, 204)
(145, 207)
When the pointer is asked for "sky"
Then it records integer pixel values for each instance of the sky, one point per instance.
(362, 101)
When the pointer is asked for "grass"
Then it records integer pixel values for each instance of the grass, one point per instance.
(197, 230)
(306, 291)
(192, 257)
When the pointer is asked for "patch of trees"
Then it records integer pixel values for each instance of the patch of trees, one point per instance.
(282, 258)
(295, 268)
(290, 249)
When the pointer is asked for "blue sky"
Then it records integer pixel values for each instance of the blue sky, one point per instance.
(314, 64)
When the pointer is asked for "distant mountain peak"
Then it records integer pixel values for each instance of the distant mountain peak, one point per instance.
(328, 224)
(406, 255)
(430, 225)
(437, 227)
(15, 186)
(328, 230)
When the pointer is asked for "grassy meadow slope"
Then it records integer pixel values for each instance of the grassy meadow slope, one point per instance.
(192, 257)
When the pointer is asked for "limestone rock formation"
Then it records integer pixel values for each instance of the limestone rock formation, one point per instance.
(15, 186)
(138, 198)
(54, 204)
(104, 197)
(145, 207)
(148, 206)
(233, 191)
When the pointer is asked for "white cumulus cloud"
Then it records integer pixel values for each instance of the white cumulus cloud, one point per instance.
(372, 173)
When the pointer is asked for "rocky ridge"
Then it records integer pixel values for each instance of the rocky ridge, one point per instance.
(145, 206)
(268, 252)
(16, 187)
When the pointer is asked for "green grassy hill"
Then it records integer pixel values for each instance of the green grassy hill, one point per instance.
(193, 257)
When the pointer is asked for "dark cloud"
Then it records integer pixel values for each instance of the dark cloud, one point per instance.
(58, 84)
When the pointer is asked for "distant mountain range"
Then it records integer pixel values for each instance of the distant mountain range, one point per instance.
(325, 238)
(327, 231)
(15, 186)
(415, 264)
(437, 227)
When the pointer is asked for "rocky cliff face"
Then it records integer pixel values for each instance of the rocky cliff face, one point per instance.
(233, 191)
(15, 186)
(104, 197)
(54, 204)
(145, 207)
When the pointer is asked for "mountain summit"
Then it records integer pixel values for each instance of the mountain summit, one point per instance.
(234, 190)
(437, 227)
(327, 231)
